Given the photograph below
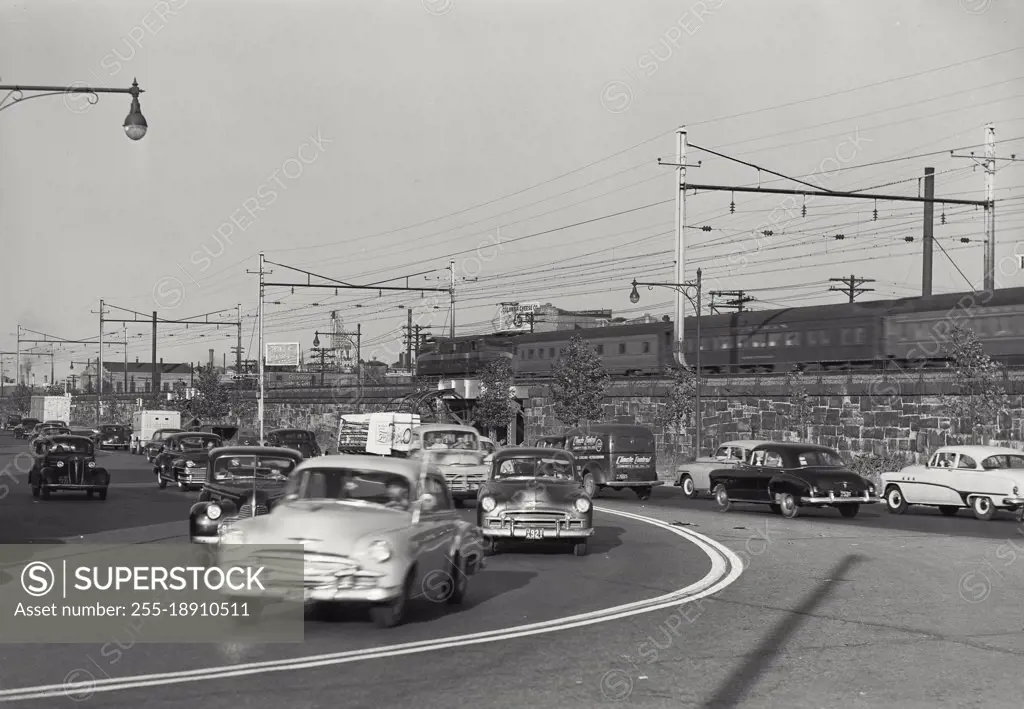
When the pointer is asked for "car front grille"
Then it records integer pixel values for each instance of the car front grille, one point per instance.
(545, 520)
(246, 510)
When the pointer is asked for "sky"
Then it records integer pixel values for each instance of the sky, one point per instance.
(375, 142)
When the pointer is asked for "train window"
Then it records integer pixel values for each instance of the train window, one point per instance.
(846, 337)
(823, 337)
(540, 353)
(860, 335)
(600, 349)
(774, 338)
(812, 338)
(551, 352)
(741, 342)
(647, 348)
(530, 355)
(792, 339)
(622, 348)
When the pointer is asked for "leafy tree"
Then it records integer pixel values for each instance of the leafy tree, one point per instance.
(210, 402)
(54, 390)
(800, 405)
(978, 394)
(679, 407)
(22, 398)
(495, 409)
(579, 384)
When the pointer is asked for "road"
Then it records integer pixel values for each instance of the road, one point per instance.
(912, 611)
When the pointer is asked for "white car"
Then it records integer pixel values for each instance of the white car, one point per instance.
(693, 477)
(984, 478)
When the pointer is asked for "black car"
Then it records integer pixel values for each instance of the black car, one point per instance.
(153, 446)
(92, 434)
(11, 422)
(66, 463)
(46, 430)
(113, 435)
(182, 459)
(241, 481)
(788, 476)
(296, 438)
(247, 438)
(24, 429)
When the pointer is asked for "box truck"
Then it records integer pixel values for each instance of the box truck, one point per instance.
(146, 423)
(51, 408)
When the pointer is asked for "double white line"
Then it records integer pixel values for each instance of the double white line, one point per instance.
(726, 567)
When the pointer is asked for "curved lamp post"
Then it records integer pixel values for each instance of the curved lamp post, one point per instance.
(135, 125)
(685, 289)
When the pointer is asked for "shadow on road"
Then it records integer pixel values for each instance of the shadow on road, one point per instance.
(736, 686)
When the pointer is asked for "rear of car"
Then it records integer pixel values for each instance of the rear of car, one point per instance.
(297, 439)
(114, 436)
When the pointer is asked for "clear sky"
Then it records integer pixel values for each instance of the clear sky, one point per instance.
(368, 141)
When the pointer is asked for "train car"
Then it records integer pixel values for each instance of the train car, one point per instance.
(463, 356)
(624, 349)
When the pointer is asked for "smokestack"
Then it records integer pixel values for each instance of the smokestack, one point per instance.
(136, 360)
(211, 358)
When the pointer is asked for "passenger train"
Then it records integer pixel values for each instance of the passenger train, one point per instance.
(870, 335)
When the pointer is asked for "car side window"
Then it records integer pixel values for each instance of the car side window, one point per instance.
(757, 458)
(966, 462)
(722, 453)
(433, 486)
(772, 460)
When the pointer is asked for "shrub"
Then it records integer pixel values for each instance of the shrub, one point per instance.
(872, 466)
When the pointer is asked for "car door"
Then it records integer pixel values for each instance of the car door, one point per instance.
(746, 477)
(963, 476)
(920, 487)
(439, 527)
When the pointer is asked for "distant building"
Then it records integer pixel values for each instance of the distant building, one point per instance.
(548, 318)
(140, 376)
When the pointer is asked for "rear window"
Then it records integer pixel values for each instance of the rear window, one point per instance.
(112, 429)
(294, 436)
(635, 443)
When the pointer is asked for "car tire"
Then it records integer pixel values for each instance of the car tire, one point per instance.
(590, 485)
(687, 486)
(579, 548)
(642, 493)
(849, 511)
(788, 507)
(392, 613)
(492, 546)
(103, 495)
(460, 582)
(983, 508)
(457, 501)
(894, 500)
(160, 482)
(948, 510)
(45, 493)
(35, 491)
(722, 498)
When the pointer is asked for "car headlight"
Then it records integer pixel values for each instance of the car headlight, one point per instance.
(190, 464)
(60, 463)
(582, 504)
(214, 511)
(488, 503)
(91, 464)
(380, 551)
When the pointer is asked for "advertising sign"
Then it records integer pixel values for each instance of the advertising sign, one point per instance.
(282, 354)
(516, 317)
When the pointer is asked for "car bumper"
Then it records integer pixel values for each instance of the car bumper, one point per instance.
(1013, 501)
(833, 500)
(633, 483)
(377, 594)
(74, 486)
(187, 478)
(529, 533)
(205, 540)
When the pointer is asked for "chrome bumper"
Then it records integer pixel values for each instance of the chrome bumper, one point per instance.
(833, 500)
(1013, 501)
(73, 486)
(379, 594)
(634, 483)
(520, 532)
(205, 540)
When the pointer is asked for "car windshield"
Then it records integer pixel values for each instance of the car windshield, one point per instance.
(294, 436)
(66, 445)
(450, 440)
(198, 442)
(55, 430)
(1002, 462)
(535, 467)
(264, 467)
(352, 486)
(822, 459)
(112, 429)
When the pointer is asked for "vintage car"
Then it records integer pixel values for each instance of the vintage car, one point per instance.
(372, 529)
(297, 438)
(46, 430)
(788, 476)
(66, 463)
(56, 422)
(550, 442)
(151, 447)
(182, 459)
(535, 494)
(615, 455)
(24, 429)
(239, 482)
(114, 436)
(489, 448)
(92, 434)
(457, 452)
(983, 478)
(694, 478)
(12, 422)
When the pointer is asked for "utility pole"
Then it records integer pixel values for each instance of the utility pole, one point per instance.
(929, 232)
(408, 339)
(737, 300)
(852, 286)
(451, 268)
(17, 365)
(124, 329)
(359, 354)
(99, 371)
(154, 376)
(260, 360)
(238, 347)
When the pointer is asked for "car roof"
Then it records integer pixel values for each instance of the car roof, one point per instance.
(428, 427)
(980, 451)
(289, 430)
(66, 437)
(255, 450)
(531, 452)
(188, 434)
(397, 466)
(744, 443)
(793, 447)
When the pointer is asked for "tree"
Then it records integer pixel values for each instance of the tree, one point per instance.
(22, 398)
(679, 407)
(800, 406)
(978, 393)
(579, 384)
(210, 401)
(495, 408)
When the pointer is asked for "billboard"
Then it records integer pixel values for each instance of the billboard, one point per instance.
(281, 354)
(515, 317)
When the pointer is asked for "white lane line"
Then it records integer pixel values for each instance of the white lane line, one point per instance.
(726, 568)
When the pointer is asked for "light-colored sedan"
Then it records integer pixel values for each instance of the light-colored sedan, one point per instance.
(693, 477)
(983, 478)
(375, 530)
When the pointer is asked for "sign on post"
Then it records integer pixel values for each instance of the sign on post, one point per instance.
(282, 354)
(516, 317)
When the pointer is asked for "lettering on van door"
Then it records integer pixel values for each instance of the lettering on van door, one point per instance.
(633, 461)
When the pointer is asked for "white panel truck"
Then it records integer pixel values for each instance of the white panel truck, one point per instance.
(387, 433)
(51, 408)
(146, 423)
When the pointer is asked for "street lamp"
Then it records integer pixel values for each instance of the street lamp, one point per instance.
(685, 289)
(135, 125)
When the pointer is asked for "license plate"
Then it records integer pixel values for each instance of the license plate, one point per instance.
(845, 493)
(64, 480)
(534, 533)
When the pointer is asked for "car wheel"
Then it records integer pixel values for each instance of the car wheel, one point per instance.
(492, 546)
(160, 482)
(687, 486)
(35, 491)
(590, 486)
(392, 613)
(895, 501)
(948, 510)
(579, 548)
(983, 508)
(642, 493)
(722, 498)
(849, 511)
(182, 486)
(788, 506)
(775, 508)
(457, 501)
(45, 493)
(103, 495)
(460, 582)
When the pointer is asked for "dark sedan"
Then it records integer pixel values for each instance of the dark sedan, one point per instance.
(66, 463)
(298, 439)
(114, 436)
(182, 459)
(788, 476)
(535, 494)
